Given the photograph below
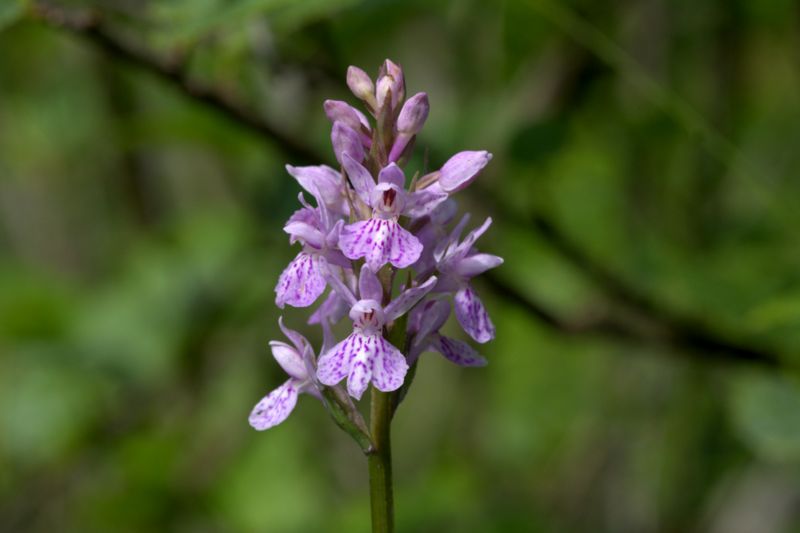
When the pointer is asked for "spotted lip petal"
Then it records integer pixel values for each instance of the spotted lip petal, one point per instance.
(276, 406)
(301, 283)
(380, 241)
(361, 368)
(389, 367)
(362, 358)
(472, 315)
(352, 357)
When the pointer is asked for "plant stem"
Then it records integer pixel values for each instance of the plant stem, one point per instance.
(380, 463)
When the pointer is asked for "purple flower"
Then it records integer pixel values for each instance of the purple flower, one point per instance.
(458, 263)
(364, 211)
(381, 239)
(424, 323)
(302, 282)
(297, 361)
(365, 355)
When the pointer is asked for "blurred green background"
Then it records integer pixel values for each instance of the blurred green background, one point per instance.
(645, 192)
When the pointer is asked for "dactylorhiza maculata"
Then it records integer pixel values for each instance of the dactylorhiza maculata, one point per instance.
(381, 243)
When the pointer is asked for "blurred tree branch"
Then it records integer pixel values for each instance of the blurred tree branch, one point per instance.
(664, 327)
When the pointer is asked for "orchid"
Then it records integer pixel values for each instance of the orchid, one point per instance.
(383, 246)
(365, 354)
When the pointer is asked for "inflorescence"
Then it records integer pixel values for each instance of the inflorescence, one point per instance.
(381, 243)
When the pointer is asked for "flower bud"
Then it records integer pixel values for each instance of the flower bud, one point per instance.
(413, 114)
(346, 140)
(383, 90)
(343, 112)
(391, 69)
(360, 84)
(462, 169)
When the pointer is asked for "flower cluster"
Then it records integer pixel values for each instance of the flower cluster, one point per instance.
(372, 233)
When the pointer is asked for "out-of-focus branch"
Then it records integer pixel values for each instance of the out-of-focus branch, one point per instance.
(669, 329)
(88, 25)
(688, 337)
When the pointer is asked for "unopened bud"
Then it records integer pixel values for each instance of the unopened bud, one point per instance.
(360, 84)
(346, 140)
(413, 114)
(336, 110)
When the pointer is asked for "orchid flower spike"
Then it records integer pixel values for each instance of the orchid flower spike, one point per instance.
(389, 254)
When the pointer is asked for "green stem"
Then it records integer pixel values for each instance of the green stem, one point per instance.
(380, 463)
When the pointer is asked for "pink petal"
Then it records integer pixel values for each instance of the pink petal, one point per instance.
(457, 351)
(346, 140)
(362, 180)
(334, 365)
(361, 367)
(392, 174)
(275, 407)
(305, 233)
(369, 288)
(380, 241)
(461, 169)
(290, 359)
(301, 282)
(389, 367)
(447, 245)
(472, 315)
(428, 317)
(360, 83)
(408, 299)
(421, 203)
(469, 241)
(471, 266)
(342, 111)
(324, 183)
(413, 114)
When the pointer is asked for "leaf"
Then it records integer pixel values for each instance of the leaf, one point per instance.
(766, 414)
